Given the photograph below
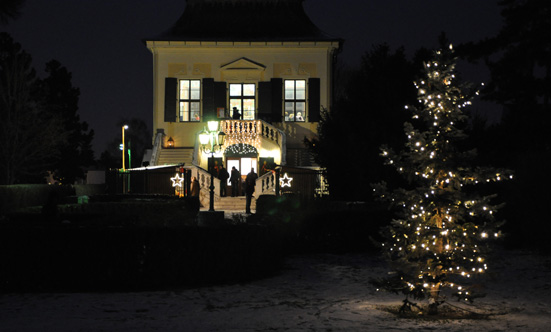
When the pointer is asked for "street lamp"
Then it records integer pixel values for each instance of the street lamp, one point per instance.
(211, 141)
(123, 147)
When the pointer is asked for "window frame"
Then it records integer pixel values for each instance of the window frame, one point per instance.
(242, 98)
(190, 101)
(291, 114)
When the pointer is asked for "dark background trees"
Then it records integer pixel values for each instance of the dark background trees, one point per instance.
(519, 60)
(28, 136)
(60, 99)
(368, 112)
(40, 130)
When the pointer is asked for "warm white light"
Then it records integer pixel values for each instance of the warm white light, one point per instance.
(177, 180)
(212, 125)
(285, 181)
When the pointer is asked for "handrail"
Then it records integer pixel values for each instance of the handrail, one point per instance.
(156, 149)
(255, 129)
(265, 184)
(203, 177)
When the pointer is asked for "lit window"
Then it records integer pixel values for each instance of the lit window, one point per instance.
(295, 100)
(190, 100)
(242, 97)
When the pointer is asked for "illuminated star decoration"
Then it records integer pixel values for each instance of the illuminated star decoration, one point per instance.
(177, 180)
(285, 181)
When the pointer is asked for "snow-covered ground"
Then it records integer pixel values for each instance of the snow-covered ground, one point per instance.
(319, 292)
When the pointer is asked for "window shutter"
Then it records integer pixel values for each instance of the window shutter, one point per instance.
(209, 111)
(265, 101)
(314, 99)
(277, 99)
(220, 96)
(171, 99)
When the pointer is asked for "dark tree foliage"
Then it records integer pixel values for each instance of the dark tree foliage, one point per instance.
(29, 137)
(519, 59)
(10, 9)
(40, 130)
(60, 99)
(368, 112)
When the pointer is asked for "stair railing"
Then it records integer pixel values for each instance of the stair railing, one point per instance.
(265, 185)
(156, 149)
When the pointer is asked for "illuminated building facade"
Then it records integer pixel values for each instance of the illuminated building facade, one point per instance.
(263, 58)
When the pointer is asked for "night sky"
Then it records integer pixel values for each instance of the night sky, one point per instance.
(100, 42)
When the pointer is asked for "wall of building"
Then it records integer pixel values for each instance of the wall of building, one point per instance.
(289, 60)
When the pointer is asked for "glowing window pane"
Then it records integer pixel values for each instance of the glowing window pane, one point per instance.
(248, 90)
(184, 89)
(289, 89)
(300, 89)
(235, 90)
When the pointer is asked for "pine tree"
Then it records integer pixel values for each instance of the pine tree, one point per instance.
(437, 245)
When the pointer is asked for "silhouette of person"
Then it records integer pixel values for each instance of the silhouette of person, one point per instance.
(234, 180)
(250, 183)
(236, 115)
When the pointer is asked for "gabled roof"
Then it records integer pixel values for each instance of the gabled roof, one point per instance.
(244, 20)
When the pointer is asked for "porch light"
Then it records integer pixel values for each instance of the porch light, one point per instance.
(212, 125)
(204, 137)
(211, 142)
(221, 138)
(170, 143)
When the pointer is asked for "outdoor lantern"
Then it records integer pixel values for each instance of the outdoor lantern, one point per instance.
(212, 125)
(170, 142)
(204, 137)
(211, 141)
(221, 138)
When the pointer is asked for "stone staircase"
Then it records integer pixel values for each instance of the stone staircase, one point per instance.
(175, 156)
(231, 204)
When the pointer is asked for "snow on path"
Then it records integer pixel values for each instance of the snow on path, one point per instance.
(314, 293)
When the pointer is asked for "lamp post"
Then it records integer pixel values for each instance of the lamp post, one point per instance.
(211, 141)
(123, 147)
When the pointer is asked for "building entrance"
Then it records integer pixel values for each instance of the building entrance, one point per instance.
(244, 166)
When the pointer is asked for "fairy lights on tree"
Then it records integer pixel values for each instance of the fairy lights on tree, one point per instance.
(437, 244)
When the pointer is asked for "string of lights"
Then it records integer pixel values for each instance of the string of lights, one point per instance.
(437, 241)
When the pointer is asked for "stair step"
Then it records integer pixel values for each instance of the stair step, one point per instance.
(175, 156)
(233, 203)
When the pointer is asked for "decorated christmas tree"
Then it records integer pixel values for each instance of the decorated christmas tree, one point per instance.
(437, 243)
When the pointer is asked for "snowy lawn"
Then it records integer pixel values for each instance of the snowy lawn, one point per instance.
(318, 292)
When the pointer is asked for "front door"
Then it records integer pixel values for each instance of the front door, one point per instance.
(244, 166)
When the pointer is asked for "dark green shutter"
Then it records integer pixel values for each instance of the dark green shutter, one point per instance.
(209, 110)
(265, 101)
(220, 96)
(171, 99)
(313, 99)
(277, 99)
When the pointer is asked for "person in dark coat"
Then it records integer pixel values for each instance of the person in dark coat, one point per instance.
(234, 180)
(223, 175)
(250, 183)
(236, 115)
(195, 187)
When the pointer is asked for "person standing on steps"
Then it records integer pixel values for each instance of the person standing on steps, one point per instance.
(250, 183)
(234, 180)
(223, 176)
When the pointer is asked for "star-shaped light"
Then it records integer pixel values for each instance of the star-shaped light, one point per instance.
(177, 180)
(285, 181)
